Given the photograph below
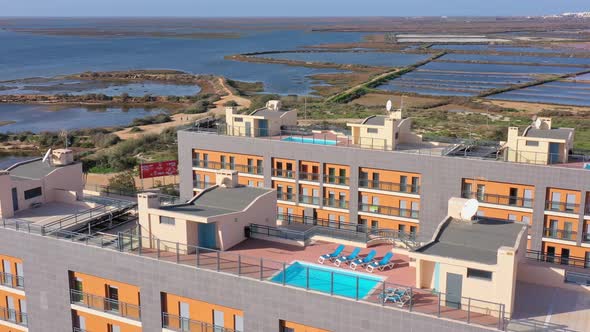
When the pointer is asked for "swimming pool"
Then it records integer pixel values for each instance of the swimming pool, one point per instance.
(319, 141)
(320, 279)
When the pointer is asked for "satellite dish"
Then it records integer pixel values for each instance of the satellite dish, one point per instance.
(538, 123)
(46, 155)
(469, 209)
(534, 117)
(389, 105)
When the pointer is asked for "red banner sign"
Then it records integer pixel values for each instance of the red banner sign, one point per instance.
(162, 168)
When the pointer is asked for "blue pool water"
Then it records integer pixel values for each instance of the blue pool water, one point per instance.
(320, 279)
(319, 141)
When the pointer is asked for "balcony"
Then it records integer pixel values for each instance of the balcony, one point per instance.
(250, 169)
(559, 234)
(285, 196)
(562, 207)
(283, 173)
(106, 305)
(337, 180)
(390, 186)
(500, 199)
(313, 200)
(77, 329)
(586, 237)
(312, 177)
(335, 203)
(13, 316)
(389, 211)
(12, 281)
(177, 323)
(202, 184)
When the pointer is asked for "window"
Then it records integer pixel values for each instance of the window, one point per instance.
(372, 130)
(258, 166)
(413, 230)
(403, 183)
(526, 219)
(166, 220)
(238, 323)
(415, 184)
(374, 224)
(401, 228)
(466, 190)
(238, 119)
(532, 143)
(114, 328)
(32, 193)
(251, 183)
(570, 203)
(512, 217)
(479, 274)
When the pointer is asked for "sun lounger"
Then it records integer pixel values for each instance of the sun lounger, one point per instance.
(363, 261)
(347, 258)
(385, 262)
(331, 256)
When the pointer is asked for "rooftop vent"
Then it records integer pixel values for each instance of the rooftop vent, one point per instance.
(226, 178)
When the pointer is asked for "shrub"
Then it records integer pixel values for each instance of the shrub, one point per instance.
(123, 182)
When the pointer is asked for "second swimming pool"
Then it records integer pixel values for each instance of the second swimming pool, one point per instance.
(326, 279)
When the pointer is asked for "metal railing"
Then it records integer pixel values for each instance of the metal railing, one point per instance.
(557, 259)
(577, 278)
(250, 169)
(313, 177)
(164, 199)
(337, 180)
(343, 140)
(183, 324)
(560, 234)
(586, 237)
(335, 203)
(278, 232)
(428, 302)
(14, 316)
(106, 305)
(202, 184)
(313, 200)
(390, 186)
(283, 173)
(389, 211)
(562, 207)
(499, 199)
(12, 280)
(286, 196)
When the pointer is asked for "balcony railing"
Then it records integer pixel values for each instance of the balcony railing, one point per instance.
(562, 207)
(559, 234)
(104, 304)
(314, 200)
(500, 199)
(14, 316)
(557, 259)
(586, 237)
(77, 329)
(283, 173)
(389, 211)
(337, 180)
(314, 177)
(250, 169)
(390, 186)
(12, 281)
(183, 324)
(335, 203)
(285, 196)
(202, 184)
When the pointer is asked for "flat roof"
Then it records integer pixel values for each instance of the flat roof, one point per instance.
(219, 200)
(476, 241)
(34, 169)
(270, 114)
(559, 133)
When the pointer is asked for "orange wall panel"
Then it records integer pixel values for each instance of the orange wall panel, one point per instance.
(575, 251)
(300, 327)
(98, 323)
(499, 188)
(97, 286)
(199, 310)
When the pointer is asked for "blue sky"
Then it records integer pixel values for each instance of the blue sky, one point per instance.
(288, 7)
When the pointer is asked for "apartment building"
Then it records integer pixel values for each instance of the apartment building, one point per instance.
(13, 305)
(389, 178)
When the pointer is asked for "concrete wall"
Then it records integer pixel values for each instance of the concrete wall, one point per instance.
(441, 176)
(47, 261)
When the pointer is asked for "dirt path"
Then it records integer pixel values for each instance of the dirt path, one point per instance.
(220, 109)
(177, 120)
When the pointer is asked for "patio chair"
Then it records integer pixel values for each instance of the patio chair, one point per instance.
(363, 261)
(347, 258)
(394, 295)
(331, 256)
(385, 262)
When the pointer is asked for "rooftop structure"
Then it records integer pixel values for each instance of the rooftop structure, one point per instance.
(540, 144)
(267, 121)
(55, 178)
(214, 218)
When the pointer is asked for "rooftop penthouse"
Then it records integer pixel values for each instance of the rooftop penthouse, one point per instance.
(539, 143)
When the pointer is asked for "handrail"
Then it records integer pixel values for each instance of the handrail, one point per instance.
(14, 316)
(389, 210)
(559, 206)
(185, 324)
(560, 234)
(544, 257)
(104, 304)
(12, 280)
(390, 186)
(499, 199)
(209, 164)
